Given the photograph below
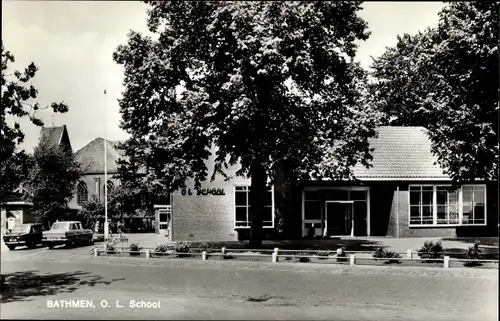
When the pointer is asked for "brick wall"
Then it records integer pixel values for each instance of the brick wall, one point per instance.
(206, 217)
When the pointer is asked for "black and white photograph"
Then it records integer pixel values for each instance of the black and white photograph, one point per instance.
(249, 160)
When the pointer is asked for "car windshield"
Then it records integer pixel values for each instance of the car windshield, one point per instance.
(60, 226)
(23, 228)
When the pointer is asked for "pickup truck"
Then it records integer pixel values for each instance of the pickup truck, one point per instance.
(68, 233)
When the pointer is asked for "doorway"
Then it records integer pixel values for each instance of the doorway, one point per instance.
(165, 220)
(339, 219)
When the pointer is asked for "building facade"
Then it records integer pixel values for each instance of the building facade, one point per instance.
(92, 181)
(403, 194)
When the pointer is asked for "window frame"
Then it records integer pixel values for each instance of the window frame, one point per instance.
(248, 221)
(79, 186)
(459, 203)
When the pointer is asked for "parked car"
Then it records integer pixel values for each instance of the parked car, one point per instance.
(68, 233)
(29, 235)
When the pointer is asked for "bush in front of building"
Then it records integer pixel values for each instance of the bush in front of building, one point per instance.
(341, 255)
(384, 254)
(135, 249)
(325, 254)
(205, 247)
(431, 250)
(182, 248)
(473, 253)
(110, 248)
(304, 259)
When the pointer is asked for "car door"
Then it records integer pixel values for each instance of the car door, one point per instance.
(38, 233)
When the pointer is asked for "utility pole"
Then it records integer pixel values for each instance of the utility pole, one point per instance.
(106, 224)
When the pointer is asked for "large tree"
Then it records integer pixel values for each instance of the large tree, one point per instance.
(446, 79)
(272, 85)
(52, 182)
(18, 101)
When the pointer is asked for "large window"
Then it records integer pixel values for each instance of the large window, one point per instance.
(243, 210)
(110, 186)
(82, 194)
(439, 205)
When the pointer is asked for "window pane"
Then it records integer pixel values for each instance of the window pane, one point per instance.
(242, 224)
(426, 198)
(453, 213)
(415, 215)
(479, 197)
(467, 204)
(415, 188)
(311, 195)
(357, 195)
(164, 217)
(241, 214)
(441, 215)
(441, 197)
(241, 198)
(241, 188)
(267, 215)
(453, 198)
(427, 215)
(337, 195)
(269, 199)
(479, 214)
(414, 198)
(312, 210)
(427, 188)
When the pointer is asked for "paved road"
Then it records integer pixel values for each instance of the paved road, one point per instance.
(192, 289)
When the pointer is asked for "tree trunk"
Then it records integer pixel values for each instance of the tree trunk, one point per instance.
(258, 192)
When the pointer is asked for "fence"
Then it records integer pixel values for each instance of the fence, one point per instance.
(342, 257)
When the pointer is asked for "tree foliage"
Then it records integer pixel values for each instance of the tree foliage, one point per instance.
(52, 181)
(446, 79)
(18, 96)
(271, 85)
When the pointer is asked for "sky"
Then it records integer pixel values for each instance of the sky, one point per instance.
(72, 43)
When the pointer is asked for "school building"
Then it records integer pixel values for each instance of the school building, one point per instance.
(404, 194)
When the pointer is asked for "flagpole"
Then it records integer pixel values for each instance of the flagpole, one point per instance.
(106, 225)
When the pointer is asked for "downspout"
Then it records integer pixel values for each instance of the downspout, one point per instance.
(397, 211)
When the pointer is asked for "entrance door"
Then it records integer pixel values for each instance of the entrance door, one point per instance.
(339, 218)
(165, 221)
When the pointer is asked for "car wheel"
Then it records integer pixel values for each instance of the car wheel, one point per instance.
(91, 240)
(31, 245)
(11, 247)
(51, 246)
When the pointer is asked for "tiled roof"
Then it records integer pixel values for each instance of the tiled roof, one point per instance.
(52, 134)
(401, 153)
(91, 156)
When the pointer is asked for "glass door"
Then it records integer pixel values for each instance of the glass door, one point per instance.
(339, 218)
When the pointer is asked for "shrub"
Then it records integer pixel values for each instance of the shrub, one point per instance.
(111, 248)
(431, 250)
(304, 259)
(135, 249)
(207, 247)
(182, 248)
(227, 257)
(342, 256)
(162, 248)
(323, 253)
(382, 253)
(473, 253)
